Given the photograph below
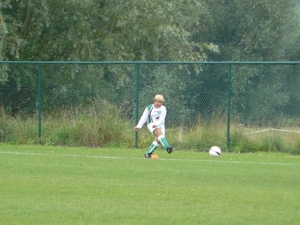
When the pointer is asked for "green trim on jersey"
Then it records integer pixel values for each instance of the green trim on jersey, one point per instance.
(149, 107)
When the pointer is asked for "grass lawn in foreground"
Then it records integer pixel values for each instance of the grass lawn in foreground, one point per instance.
(63, 185)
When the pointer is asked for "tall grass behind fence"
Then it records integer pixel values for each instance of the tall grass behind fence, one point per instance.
(231, 104)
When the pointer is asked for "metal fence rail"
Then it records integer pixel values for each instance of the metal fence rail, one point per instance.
(241, 97)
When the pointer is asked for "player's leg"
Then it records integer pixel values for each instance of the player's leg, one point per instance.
(160, 137)
(151, 149)
(154, 144)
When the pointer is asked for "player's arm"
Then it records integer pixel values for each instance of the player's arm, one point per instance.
(143, 120)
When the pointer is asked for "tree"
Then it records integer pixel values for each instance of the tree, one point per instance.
(263, 30)
(249, 30)
(86, 30)
(101, 30)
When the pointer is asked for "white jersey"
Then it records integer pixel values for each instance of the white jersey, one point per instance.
(153, 115)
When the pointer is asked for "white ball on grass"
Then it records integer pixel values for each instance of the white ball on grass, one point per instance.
(215, 151)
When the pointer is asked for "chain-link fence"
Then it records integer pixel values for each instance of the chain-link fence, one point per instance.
(230, 98)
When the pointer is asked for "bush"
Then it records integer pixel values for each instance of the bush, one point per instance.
(102, 126)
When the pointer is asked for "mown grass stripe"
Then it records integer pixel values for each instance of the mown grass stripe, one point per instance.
(165, 159)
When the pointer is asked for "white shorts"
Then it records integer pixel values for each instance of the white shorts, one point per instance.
(151, 129)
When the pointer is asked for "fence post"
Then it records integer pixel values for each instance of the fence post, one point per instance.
(228, 107)
(39, 101)
(137, 87)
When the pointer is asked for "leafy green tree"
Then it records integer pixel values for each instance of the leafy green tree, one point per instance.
(101, 30)
(94, 30)
(253, 31)
(249, 30)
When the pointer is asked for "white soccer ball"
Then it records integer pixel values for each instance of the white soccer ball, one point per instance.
(215, 151)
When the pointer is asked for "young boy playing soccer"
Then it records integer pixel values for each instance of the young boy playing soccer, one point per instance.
(155, 115)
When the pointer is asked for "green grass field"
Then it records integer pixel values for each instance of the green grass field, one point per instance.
(63, 185)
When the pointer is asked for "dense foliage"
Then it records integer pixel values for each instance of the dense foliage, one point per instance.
(101, 30)
(149, 30)
(141, 30)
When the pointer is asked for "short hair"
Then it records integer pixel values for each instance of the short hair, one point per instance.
(159, 98)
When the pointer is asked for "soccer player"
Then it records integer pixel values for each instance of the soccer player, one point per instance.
(155, 115)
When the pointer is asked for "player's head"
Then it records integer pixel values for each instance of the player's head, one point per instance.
(158, 100)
